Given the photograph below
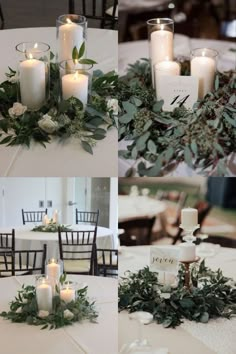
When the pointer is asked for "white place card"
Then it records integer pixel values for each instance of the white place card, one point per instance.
(177, 91)
(164, 259)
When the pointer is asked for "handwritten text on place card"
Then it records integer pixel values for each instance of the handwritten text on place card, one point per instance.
(177, 91)
(164, 259)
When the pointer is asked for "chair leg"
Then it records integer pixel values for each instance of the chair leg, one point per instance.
(71, 6)
(1, 17)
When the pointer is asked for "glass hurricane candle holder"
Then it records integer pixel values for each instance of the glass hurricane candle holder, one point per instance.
(203, 66)
(33, 74)
(54, 269)
(75, 80)
(160, 37)
(68, 291)
(44, 293)
(71, 32)
(165, 68)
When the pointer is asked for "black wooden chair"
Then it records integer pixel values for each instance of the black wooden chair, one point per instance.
(97, 10)
(222, 241)
(33, 216)
(107, 262)
(136, 232)
(7, 241)
(23, 262)
(86, 217)
(78, 251)
(1, 18)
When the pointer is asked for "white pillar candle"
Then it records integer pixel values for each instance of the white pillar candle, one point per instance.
(189, 218)
(70, 36)
(204, 69)
(53, 270)
(187, 252)
(55, 216)
(67, 294)
(75, 85)
(161, 46)
(165, 68)
(44, 297)
(45, 220)
(32, 76)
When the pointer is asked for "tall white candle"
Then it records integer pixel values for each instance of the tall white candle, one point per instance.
(75, 85)
(55, 216)
(53, 270)
(70, 36)
(165, 68)
(204, 69)
(187, 252)
(189, 218)
(161, 46)
(44, 297)
(45, 220)
(67, 294)
(32, 76)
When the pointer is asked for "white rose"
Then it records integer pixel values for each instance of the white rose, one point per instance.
(68, 315)
(13, 79)
(43, 314)
(165, 295)
(47, 124)
(112, 104)
(19, 310)
(17, 110)
(2, 89)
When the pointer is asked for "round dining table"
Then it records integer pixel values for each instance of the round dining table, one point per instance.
(134, 207)
(38, 161)
(79, 338)
(129, 52)
(26, 239)
(218, 336)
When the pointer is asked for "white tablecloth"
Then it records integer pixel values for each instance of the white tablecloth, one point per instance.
(38, 161)
(129, 52)
(81, 338)
(132, 207)
(131, 5)
(32, 240)
(217, 336)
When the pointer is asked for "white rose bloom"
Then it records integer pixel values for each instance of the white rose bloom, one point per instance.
(68, 315)
(19, 310)
(2, 89)
(13, 79)
(112, 104)
(165, 295)
(17, 110)
(47, 124)
(43, 314)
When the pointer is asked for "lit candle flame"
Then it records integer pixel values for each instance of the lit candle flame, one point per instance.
(36, 45)
(30, 56)
(76, 75)
(68, 20)
(162, 27)
(203, 53)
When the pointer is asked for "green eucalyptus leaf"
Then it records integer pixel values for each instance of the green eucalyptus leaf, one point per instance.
(87, 147)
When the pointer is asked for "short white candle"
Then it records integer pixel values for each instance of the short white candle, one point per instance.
(187, 252)
(161, 46)
(44, 297)
(53, 270)
(70, 36)
(75, 85)
(189, 218)
(32, 76)
(204, 69)
(67, 294)
(165, 68)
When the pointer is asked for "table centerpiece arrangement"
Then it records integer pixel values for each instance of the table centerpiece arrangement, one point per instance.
(177, 286)
(53, 303)
(177, 111)
(60, 97)
(51, 225)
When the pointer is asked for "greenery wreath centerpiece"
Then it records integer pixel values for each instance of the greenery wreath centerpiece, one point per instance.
(24, 309)
(212, 295)
(51, 227)
(204, 137)
(61, 119)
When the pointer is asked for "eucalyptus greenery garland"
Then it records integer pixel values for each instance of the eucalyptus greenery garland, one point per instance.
(24, 309)
(212, 295)
(60, 119)
(51, 227)
(203, 137)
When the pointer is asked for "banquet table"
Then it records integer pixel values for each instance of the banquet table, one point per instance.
(21, 161)
(129, 52)
(133, 207)
(26, 239)
(216, 337)
(80, 338)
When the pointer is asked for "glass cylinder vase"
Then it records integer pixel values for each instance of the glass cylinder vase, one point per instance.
(44, 293)
(68, 292)
(33, 74)
(71, 33)
(75, 80)
(203, 66)
(160, 37)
